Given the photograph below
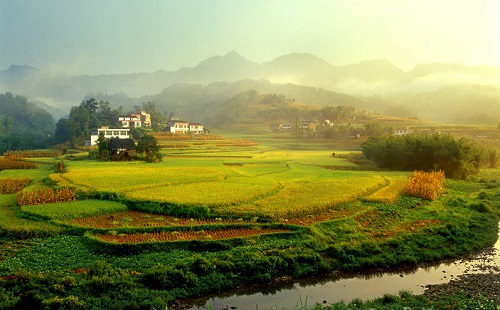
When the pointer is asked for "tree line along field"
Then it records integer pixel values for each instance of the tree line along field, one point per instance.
(212, 216)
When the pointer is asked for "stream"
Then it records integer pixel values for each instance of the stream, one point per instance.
(346, 287)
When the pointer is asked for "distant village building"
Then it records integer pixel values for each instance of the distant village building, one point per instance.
(135, 120)
(280, 126)
(311, 125)
(175, 125)
(402, 131)
(120, 133)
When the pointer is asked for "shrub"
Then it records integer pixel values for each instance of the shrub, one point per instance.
(9, 186)
(426, 185)
(70, 302)
(60, 167)
(16, 164)
(168, 278)
(44, 195)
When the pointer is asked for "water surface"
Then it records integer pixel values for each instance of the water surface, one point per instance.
(346, 287)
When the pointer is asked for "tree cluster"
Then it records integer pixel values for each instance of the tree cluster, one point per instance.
(89, 115)
(458, 159)
(23, 125)
(148, 146)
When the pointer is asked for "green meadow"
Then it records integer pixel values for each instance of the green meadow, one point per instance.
(236, 214)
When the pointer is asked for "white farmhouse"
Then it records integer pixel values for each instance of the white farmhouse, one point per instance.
(121, 133)
(175, 125)
(135, 120)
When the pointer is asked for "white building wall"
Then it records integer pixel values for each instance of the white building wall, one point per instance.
(121, 133)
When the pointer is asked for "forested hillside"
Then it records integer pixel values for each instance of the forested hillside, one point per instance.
(23, 125)
(209, 103)
(439, 92)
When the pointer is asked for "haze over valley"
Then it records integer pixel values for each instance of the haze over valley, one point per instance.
(422, 59)
(450, 93)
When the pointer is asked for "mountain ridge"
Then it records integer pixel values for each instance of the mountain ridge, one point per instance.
(368, 78)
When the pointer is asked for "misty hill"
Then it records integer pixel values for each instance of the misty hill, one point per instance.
(367, 79)
(23, 125)
(196, 101)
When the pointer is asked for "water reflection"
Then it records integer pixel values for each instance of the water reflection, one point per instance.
(346, 287)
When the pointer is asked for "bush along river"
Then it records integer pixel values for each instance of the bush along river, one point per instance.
(476, 274)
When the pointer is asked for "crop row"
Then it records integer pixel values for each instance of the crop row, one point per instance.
(18, 155)
(16, 164)
(180, 137)
(10, 186)
(236, 142)
(44, 195)
(174, 145)
(188, 235)
(143, 219)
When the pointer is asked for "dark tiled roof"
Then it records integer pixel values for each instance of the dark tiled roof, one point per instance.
(116, 143)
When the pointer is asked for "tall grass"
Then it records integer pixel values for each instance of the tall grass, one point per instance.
(426, 185)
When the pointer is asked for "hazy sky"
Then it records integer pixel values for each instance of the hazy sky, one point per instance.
(125, 36)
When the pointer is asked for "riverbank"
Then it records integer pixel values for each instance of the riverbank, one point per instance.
(462, 280)
(472, 285)
(481, 279)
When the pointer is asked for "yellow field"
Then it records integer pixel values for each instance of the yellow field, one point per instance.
(277, 184)
(391, 192)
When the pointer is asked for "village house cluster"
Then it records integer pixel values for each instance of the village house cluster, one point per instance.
(175, 125)
(314, 125)
(135, 120)
(141, 120)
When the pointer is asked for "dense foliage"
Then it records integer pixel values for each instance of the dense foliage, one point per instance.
(23, 125)
(148, 145)
(89, 115)
(458, 159)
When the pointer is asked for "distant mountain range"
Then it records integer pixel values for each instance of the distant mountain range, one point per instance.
(438, 91)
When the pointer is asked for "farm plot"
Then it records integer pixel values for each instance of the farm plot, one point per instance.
(143, 219)
(73, 209)
(125, 177)
(10, 223)
(302, 198)
(217, 234)
(265, 185)
(391, 192)
(212, 194)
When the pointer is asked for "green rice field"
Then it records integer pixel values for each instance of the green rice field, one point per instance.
(277, 184)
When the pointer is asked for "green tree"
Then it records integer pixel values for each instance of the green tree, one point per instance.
(148, 146)
(103, 147)
(377, 129)
(89, 115)
(158, 118)
(23, 125)
(459, 159)
(62, 131)
(107, 116)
